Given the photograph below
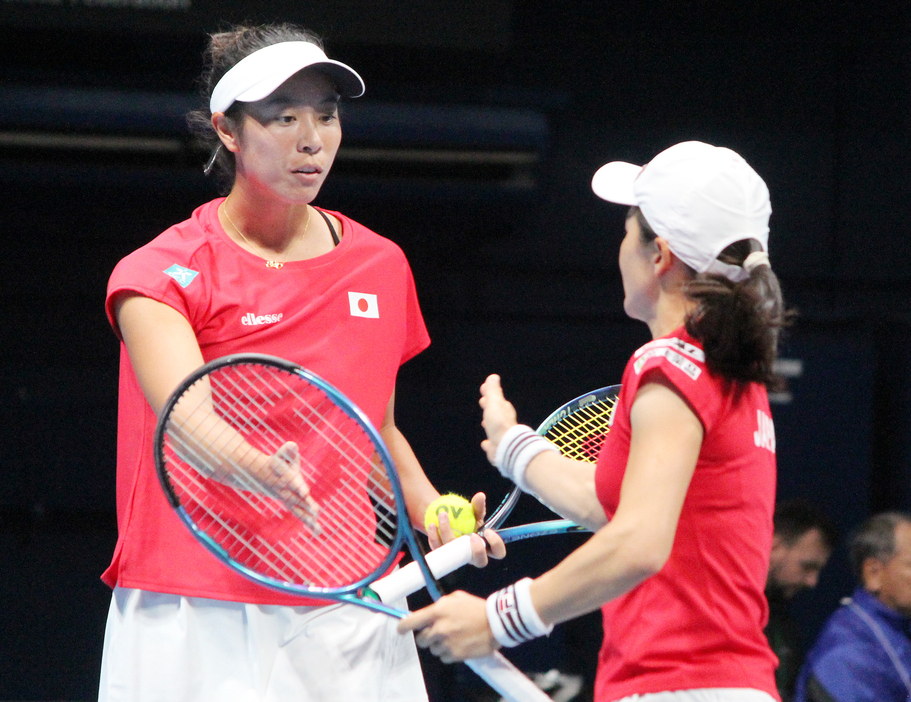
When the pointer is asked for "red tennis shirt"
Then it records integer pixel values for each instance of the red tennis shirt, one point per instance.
(351, 316)
(698, 622)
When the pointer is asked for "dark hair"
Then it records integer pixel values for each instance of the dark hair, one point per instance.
(794, 518)
(739, 324)
(875, 538)
(225, 49)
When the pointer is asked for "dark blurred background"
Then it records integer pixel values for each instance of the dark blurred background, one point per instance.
(473, 149)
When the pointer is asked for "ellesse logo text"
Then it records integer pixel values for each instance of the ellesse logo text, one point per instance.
(252, 320)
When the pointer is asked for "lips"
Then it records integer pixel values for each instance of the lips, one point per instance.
(308, 170)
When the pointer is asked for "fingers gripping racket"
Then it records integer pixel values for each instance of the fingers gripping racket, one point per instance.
(578, 429)
(284, 480)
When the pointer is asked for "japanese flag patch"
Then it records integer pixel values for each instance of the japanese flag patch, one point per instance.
(363, 305)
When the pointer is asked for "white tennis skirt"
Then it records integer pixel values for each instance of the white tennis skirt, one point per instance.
(710, 694)
(160, 647)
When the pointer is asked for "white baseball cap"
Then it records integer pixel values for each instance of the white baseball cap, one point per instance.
(698, 197)
(257, 75)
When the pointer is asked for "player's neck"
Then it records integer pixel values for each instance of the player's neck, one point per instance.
(269, 224)
(670, 313)
(273, 229)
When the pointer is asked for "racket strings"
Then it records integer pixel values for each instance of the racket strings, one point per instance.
(580, 433)
(249, 517)
(282, 556)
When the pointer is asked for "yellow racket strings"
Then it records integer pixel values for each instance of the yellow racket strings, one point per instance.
(580, 434)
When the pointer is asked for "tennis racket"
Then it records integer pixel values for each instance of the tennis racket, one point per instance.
(287, 482)
(578, 429)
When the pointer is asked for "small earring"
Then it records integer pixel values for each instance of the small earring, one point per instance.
(211, 162)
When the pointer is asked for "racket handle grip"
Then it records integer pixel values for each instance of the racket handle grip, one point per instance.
(409, 578)
(506, 679)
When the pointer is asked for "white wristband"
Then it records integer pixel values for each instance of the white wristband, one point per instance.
(518, 446)
(512, 615)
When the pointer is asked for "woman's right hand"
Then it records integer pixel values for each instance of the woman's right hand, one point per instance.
(288, 482)
(485, 543)
(499, 415)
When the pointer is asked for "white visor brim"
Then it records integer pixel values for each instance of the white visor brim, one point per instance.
(258, 75)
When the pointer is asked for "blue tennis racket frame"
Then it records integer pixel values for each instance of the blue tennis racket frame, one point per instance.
(404, 535)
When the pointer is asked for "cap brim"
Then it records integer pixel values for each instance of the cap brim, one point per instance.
(614, 182)
(259, 74)
(348, 82)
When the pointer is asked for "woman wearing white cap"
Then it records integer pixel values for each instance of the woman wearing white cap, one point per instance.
(682, 496)
(261, 270)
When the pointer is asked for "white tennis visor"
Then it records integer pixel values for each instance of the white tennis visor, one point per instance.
(256, 76)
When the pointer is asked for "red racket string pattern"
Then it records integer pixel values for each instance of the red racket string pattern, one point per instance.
(248, 412)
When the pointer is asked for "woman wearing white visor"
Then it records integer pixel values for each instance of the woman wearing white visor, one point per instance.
(261, 270)
(681, 499)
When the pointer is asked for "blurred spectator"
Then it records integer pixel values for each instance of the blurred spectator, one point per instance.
(802, 543)
(863, 653)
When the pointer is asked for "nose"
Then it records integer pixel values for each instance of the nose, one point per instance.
(309, 140)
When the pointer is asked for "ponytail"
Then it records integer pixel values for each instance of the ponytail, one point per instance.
(739, 324)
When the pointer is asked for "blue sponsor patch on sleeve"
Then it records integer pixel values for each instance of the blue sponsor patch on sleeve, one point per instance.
(183, 276)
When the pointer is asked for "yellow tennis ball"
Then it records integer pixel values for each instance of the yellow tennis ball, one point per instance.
(461, 513)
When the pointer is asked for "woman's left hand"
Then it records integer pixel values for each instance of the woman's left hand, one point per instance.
(490, 545)
(453, 628)
(499, 415)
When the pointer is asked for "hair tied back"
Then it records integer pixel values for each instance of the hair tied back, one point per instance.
(757, 258)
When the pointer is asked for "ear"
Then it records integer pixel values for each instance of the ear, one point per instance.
(872, 572)
(663, 258)
(226, 131)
